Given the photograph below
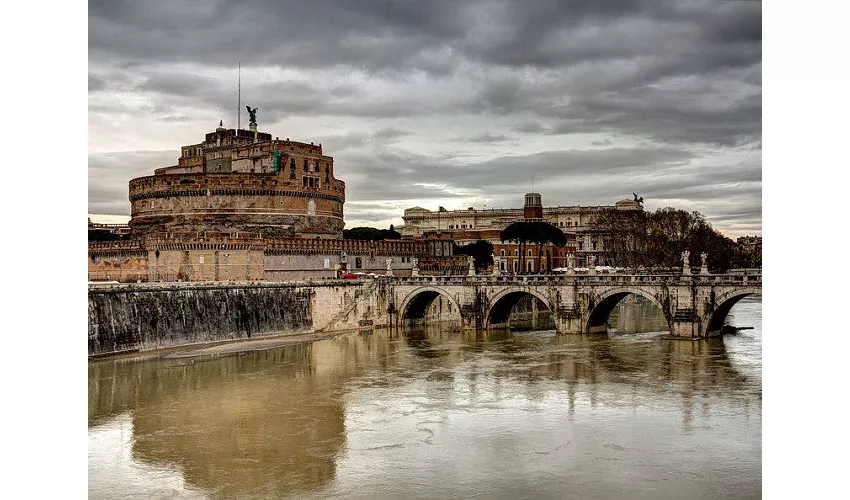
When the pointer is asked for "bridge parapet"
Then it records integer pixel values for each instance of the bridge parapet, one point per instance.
(531, 279)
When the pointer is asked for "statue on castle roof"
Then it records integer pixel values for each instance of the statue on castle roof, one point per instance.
(637, 198)
(253, 115)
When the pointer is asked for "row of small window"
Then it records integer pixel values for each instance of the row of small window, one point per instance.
(308, 167)
(470, 226)
(529, 266)
(358, 262)
(516, 253)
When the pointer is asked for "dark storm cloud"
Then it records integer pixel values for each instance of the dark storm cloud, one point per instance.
(682, 79)
(423, 176)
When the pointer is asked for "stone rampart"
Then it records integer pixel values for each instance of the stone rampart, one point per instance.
(269, 204)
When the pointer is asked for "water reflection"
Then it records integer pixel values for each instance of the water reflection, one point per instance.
(435, 411)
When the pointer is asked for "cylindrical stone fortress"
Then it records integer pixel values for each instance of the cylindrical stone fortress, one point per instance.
(242, 181)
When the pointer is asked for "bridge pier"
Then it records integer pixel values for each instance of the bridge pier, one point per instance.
(569, 326)
(686, 329)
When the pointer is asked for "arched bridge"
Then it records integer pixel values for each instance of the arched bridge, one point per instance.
(693, 305)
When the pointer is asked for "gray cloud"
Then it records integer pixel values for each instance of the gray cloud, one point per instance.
(669, 94)
(110, 174)
(485, 137)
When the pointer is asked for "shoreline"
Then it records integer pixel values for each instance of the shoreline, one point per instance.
(220, 347)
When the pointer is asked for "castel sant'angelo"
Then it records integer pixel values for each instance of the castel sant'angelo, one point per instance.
(241, 205)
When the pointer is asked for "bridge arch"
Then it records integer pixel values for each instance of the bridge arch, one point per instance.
(604, 303)
(416, 303)
(501, 304)
(724, 304)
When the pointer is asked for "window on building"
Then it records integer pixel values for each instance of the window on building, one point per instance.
(529, 266)
(502, 252)
(516, 266)
(580, 244)
(529, 253)
(594, 245)
(516, 253)
(292, 168)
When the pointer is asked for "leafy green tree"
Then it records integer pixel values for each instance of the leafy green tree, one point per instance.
(481, 251)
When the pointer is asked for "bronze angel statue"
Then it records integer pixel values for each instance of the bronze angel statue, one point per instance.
(253, 114)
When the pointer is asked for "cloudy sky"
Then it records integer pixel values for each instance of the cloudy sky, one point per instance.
(446, 103)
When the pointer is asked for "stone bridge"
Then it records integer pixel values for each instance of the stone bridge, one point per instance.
(155, 315)
(692, 305)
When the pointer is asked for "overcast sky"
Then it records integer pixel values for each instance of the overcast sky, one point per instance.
(428, 103)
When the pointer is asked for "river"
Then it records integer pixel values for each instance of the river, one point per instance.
(434, 412)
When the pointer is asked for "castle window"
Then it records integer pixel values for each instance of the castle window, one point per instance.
(292, 168)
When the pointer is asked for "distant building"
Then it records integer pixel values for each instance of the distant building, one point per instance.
(750, 247)
(584, 240)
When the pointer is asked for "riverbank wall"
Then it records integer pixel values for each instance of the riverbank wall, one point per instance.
(147, 316)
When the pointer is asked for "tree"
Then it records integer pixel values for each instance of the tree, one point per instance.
(103, 235)
(634, 239)
(370, 234)
(481, 251)
(539, 233)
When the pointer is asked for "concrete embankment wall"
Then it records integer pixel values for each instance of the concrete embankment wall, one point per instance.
(149, 316)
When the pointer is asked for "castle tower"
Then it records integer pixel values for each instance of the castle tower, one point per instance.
(533, 208)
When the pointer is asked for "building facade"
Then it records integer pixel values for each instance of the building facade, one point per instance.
(577, 223)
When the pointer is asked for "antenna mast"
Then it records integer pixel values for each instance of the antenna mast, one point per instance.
(239, 101)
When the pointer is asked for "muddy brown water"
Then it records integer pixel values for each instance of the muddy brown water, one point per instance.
(434, 412)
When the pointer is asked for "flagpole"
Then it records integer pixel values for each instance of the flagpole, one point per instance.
(239, 101)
